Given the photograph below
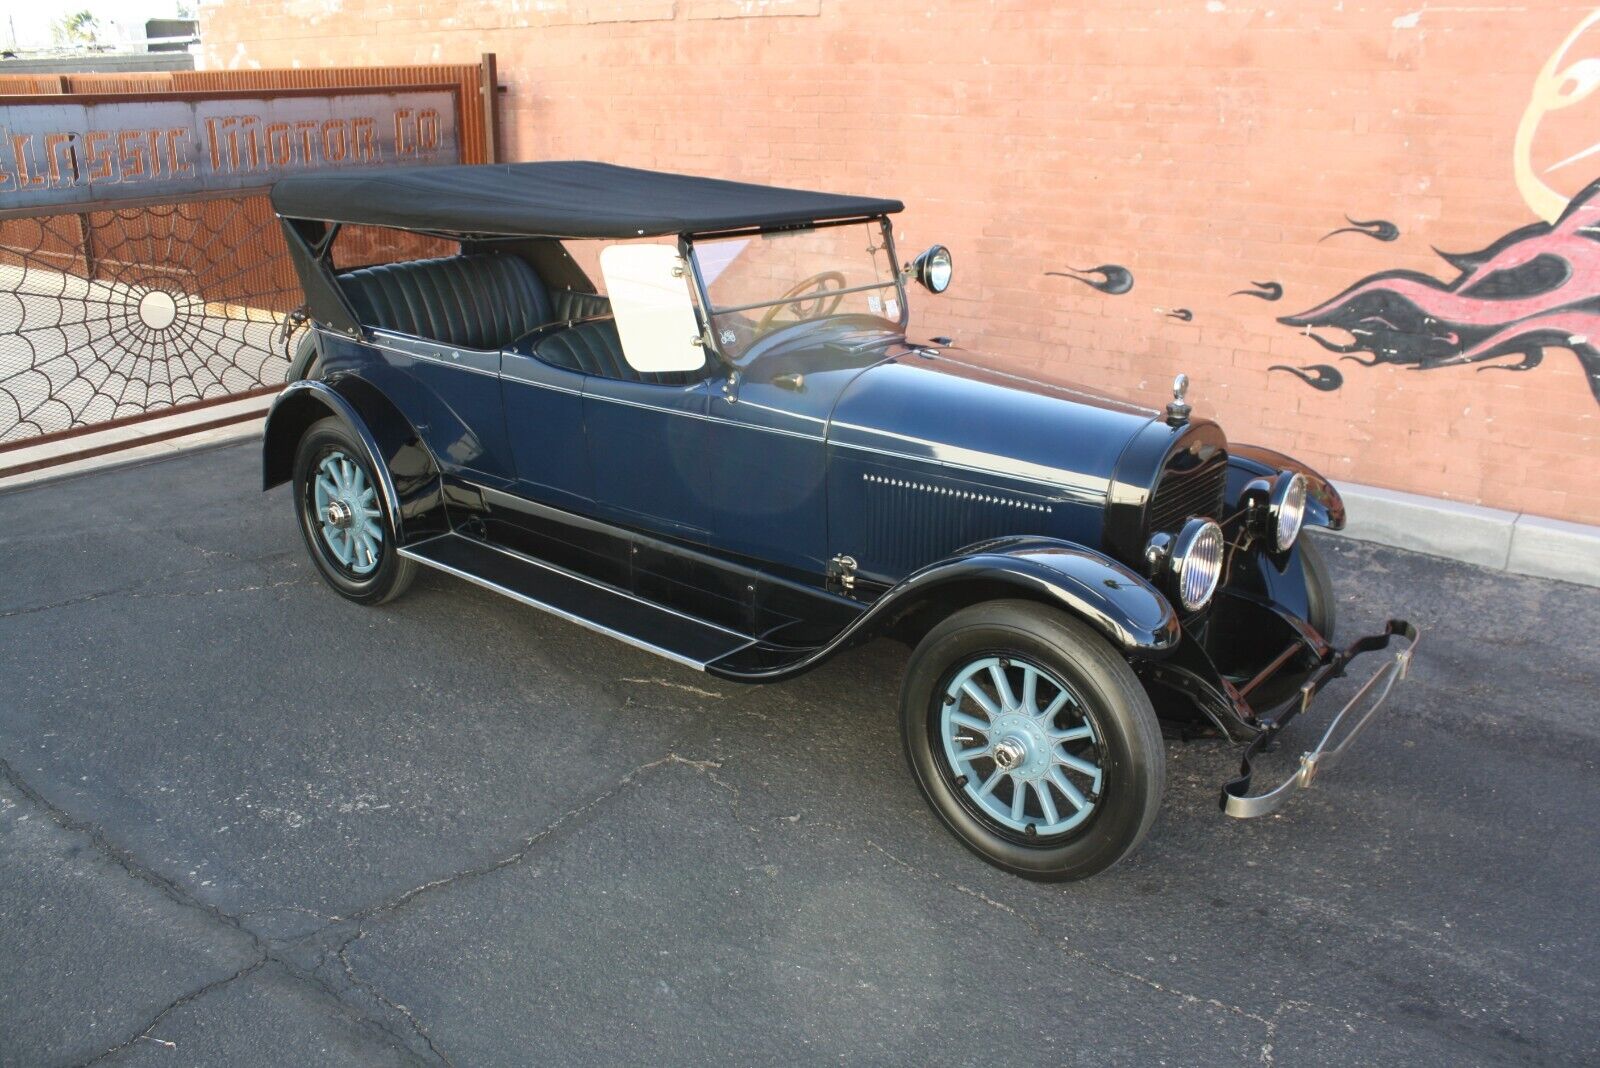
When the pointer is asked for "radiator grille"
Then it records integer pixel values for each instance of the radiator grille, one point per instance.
(1187, 487)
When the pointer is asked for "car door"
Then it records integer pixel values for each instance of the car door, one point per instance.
(648, 448)
(767, 466)
(544, 428)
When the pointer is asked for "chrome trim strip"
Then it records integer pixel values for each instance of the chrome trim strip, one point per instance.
(433, 355)
(410, 553)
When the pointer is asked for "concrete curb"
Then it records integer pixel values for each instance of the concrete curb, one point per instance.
(1489, 537)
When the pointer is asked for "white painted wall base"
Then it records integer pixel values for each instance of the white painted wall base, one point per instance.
(1488, 537)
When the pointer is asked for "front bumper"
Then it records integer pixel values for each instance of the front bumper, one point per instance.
(1348, 722)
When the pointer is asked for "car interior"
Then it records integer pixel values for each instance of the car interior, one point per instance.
(496, 300)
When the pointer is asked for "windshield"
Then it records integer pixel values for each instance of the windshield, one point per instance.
(759, 284)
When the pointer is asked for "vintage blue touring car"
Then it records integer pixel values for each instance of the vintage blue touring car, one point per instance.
(685, 413)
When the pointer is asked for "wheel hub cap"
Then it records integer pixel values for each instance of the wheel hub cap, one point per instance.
(340, 514)
(1021, 745)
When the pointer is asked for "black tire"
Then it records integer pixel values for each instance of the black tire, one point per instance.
(1127, 736)
(393, 573)
(1322, 612)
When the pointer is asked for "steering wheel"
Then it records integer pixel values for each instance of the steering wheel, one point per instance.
(819, 285)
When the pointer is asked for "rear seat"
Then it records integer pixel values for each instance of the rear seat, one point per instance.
(487, 301)
(483, 301)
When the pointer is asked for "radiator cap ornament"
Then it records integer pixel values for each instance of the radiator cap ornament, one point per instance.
(1177, 408)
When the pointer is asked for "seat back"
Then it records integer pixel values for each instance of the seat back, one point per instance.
(479, 301)
(593, 347)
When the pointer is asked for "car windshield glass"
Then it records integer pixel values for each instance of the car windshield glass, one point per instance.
(762, 283)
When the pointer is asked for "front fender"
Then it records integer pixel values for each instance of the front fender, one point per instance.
(1324, 506)
(1115, 600)
(407, 475)
(1118, 603)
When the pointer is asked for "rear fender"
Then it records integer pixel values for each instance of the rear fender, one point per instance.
(408, 476)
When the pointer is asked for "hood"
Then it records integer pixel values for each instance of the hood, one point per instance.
(964, 410)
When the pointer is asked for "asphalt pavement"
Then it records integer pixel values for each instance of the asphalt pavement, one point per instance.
(245, 822)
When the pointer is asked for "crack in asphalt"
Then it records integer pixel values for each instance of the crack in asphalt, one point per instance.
(143, 590)
(529, 842)
(1269, 1024)
(171, 1007)
(270, 951)
(128, 862)
(373, 992)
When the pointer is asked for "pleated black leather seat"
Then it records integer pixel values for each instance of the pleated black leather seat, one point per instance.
(480, 301)
(592, 347)
(487, 302)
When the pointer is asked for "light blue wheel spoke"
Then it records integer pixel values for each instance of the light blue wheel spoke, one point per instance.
(967, 756)
(1055, 705)
(1077, 764)
(979, 698)
(972, 723)
(1047, 804)
(1030, 689)
(1002, 687)
(1073, 795)
(340, 543)
(1020, 743)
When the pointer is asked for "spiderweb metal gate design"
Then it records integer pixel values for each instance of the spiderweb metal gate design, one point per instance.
(143, 273)
(114, 314)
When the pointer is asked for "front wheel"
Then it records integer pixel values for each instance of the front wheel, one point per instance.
(1032, 740)
(343, 516)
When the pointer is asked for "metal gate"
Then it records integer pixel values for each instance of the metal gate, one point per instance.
(142, 272)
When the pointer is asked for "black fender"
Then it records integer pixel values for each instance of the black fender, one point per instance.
(1324, 506)
(306, 351)
(408, 476)
(1113, 599)
(1109, 596)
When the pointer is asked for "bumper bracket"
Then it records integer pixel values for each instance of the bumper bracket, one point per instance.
(1237, 801)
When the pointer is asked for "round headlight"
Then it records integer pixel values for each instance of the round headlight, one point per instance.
(1197, 562)
(1288, 510)
(934, 269)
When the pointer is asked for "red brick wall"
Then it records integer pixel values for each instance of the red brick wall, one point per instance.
(1202, 146)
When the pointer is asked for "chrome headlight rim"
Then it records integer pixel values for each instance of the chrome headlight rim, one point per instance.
(1196, 562)
(1286, 509)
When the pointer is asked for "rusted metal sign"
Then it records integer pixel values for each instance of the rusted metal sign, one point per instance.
(65, 152)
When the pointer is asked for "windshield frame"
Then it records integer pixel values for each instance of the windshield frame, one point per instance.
(709, 310)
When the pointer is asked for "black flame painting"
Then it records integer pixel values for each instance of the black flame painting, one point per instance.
(1536, 288)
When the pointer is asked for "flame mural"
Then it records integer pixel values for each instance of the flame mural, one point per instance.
(1536, 288)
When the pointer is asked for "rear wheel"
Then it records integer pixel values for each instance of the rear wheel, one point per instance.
(1032, 740)
(344, 518)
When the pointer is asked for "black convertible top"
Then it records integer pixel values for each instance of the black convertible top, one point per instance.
(569, 198)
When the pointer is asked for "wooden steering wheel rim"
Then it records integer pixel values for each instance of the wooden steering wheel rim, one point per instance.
(806, 285)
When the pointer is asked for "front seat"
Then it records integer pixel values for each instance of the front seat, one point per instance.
(593, 347)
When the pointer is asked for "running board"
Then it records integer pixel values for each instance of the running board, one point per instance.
(602, 608)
